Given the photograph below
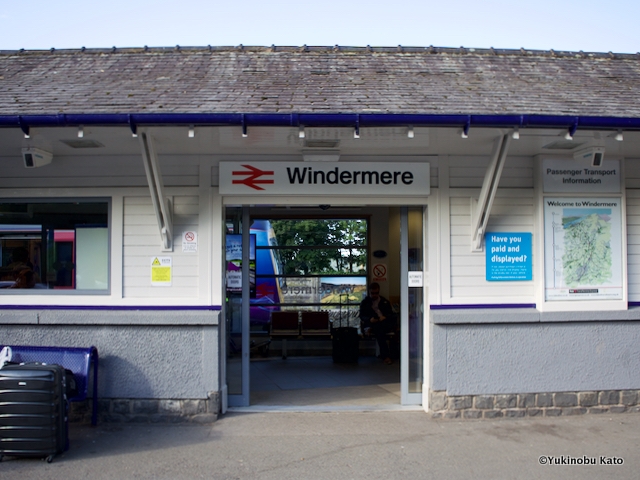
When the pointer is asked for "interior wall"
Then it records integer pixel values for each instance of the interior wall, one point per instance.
(379, 240)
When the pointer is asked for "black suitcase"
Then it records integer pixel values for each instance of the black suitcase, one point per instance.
(33, 411)
(346, 345)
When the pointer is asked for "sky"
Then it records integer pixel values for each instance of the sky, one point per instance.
(573, 25)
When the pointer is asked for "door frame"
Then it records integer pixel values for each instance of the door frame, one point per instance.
(246, 203)
(407, 397)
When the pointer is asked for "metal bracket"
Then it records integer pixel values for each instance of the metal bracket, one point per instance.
(161, 204)
(488, 192)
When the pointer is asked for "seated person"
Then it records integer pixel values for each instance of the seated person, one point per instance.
(24, 277)
(378, 319)
(21, 267)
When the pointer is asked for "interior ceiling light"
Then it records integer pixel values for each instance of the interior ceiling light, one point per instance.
(571, 132)
(80, 132)
(465, 130)
(192, 131)
(619, 137)
(82, 143)
(562, 145)
(321, 143)
(245, 134)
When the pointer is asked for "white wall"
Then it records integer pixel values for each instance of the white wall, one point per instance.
(99, 171)
(142, 244)
(632, 181)
(463, 276)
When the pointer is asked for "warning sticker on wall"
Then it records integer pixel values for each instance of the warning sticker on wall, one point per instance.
(160, 271)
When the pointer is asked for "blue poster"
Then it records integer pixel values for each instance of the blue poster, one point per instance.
(508, 256)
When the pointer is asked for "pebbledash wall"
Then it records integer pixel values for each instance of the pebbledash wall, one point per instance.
(160, 362)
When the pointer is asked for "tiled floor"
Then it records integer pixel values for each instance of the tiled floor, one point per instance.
(318, 382)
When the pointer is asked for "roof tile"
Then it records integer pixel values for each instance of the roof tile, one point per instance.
(290, 79)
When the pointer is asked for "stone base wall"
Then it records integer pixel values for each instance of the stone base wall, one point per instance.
(533, 404)
(119, 410)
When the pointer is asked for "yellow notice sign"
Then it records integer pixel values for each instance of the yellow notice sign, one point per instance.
(160, 271)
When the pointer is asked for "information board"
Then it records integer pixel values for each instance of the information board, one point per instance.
(583, 248)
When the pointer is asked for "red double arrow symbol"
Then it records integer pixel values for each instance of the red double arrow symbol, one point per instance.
(252, 178)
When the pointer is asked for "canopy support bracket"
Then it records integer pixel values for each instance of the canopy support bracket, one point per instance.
(161, 204)
(480, 217)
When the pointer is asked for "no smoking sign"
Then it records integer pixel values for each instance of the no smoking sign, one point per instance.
(190, 242)
(379, 272)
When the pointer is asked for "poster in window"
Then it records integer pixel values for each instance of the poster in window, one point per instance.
(234, 264)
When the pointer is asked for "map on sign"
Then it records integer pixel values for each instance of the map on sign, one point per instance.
(587, 246)
(582, 249)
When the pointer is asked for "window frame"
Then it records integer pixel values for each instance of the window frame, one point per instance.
(77, 199)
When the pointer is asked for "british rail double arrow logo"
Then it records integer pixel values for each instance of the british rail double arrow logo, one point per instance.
(252, 177)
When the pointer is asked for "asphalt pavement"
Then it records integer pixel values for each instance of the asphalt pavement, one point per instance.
(347, 445)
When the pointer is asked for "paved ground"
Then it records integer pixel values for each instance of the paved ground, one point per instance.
(347, 445)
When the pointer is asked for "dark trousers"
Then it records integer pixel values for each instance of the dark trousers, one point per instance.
(379, 330)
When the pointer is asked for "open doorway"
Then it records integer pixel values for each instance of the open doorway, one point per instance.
(294, 281)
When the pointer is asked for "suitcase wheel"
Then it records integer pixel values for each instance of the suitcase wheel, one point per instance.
(50, 458)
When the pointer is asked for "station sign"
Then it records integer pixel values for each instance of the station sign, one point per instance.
(325, 178)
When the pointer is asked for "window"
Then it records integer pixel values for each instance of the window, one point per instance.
(54, 246)
(310, 264)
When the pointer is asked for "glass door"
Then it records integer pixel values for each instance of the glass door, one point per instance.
(412, 265)
(240, 255)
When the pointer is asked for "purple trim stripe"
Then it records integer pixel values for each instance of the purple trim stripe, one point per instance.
(256, 119)
(107, 307)
(477, 306)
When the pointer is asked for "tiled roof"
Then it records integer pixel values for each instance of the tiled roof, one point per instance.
(319, 80)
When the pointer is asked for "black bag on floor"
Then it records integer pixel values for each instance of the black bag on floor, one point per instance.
(346, 345)
(70, 384)
(33, 411)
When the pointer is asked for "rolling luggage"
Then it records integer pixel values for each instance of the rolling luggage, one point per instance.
(33, 411)
(346, 345)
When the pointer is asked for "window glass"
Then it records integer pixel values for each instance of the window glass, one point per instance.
(310, 264)
(59, 246)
